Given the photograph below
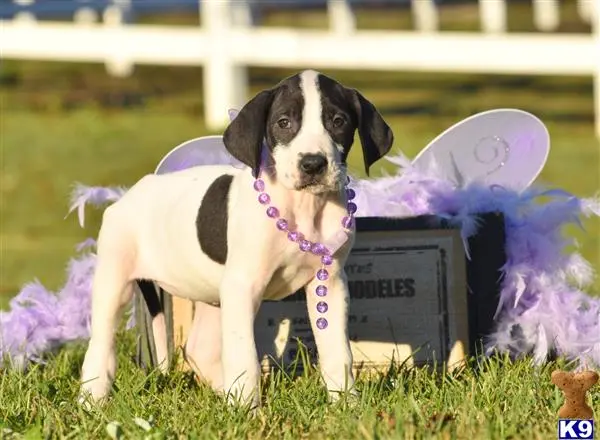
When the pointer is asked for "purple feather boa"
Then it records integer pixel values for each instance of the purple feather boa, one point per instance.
(41, 321)
(541, 308)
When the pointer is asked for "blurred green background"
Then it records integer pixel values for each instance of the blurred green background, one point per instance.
(67, 123)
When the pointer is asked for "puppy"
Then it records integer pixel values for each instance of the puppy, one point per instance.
(204, 234)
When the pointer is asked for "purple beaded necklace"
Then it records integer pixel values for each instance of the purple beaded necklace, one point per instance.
(318, 249)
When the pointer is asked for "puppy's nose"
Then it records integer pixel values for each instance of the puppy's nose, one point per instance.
(313, 164)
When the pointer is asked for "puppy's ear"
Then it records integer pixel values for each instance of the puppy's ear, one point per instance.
(375, 135)
(244, 136)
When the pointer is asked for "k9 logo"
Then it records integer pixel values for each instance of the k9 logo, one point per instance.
(575, 429)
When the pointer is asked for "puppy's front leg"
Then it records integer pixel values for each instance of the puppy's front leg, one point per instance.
(240, 300)
(331, 336)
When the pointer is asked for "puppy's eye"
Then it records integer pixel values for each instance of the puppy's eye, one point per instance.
(284, 123)
(338, 121)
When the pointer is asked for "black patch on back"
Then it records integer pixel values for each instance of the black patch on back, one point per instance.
(288, 102)
(335, 102)
(211, 222)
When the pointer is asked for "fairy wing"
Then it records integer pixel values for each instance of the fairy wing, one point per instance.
(205, 150)
(506, 147)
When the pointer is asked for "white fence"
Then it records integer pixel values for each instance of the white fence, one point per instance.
(227, 42)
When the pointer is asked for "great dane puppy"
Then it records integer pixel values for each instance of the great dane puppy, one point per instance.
(201, 234)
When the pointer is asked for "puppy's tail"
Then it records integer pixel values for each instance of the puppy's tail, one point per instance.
(93, 195)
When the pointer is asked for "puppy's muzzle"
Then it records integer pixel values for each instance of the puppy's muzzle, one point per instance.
(312, 165)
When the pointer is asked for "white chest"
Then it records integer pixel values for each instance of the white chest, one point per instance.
(296, 270)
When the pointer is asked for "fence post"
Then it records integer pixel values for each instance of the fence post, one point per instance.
(584, 8)
(425, 15)
(546, 14)
(341, 16)
(24, 17)
(118, 63)
(85, 16)
(225, 83)
(492, 14)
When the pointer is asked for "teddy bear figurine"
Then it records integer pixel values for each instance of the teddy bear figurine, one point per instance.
(575, 386)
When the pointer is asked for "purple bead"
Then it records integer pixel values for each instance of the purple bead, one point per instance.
(322, 274)
(318, 249)
(322, 323)
(351, 207)
(348, 221)
(259, 185)
(322, 307)
(294, 236)
(305, 245)
(321, 290)
(272, 212)
(282, 224)
(350, 193)
(327, 260)
(264, 198)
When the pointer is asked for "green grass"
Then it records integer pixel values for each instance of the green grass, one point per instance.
(66, 123)
(494, 400)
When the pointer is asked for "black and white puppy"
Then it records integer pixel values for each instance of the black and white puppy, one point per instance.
(201, 234)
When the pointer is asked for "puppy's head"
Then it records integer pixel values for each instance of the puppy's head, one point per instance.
(308, 121)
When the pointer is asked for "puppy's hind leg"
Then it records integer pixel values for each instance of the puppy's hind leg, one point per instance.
(111, 291)
(203, 346)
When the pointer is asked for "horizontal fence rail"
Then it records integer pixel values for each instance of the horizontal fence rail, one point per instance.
(228, 40)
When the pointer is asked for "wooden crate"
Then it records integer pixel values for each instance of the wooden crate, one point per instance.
(415, 298)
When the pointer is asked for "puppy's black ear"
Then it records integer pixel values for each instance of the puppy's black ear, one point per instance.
(375, 135)
(244, 136)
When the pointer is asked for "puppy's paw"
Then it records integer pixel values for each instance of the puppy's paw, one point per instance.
(94, 392)
(249, 400)
(244, 396)
(88, 402)
(350, 397)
